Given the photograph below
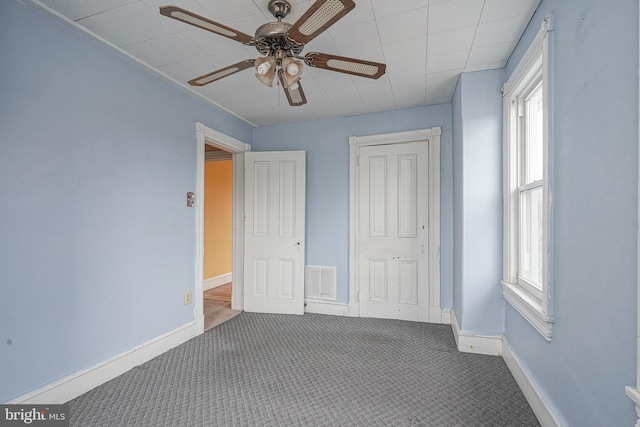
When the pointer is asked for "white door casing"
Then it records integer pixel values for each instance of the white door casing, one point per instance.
(274, 232)
(393, 231)
(401, 268)
(225, 142)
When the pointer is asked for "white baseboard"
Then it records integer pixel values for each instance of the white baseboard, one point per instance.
(214, 282)
(78, 383)
(473, 343)
(445, 316)
(540, 403)
(354, 309)
(326, 307)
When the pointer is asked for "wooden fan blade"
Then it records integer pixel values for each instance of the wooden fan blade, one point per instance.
(320, 16)
(191, 18)
(222, 72)
(342, 64)
(294, 93)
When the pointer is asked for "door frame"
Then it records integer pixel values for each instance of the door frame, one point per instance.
(432, 136)
(237, 148)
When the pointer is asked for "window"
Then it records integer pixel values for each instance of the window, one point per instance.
(528, 136)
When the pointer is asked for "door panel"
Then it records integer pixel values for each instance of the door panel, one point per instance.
(393, 208)
(274, 232)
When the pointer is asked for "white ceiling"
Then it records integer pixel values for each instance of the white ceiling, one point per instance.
(426, 44)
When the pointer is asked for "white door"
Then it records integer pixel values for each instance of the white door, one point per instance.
(393, 231)
(274, 232)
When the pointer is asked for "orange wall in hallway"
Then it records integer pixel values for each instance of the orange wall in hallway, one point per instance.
(217, 218)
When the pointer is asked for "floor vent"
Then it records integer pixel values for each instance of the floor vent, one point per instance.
(320, 282)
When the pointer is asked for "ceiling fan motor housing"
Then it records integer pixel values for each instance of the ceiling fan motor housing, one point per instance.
(271, 38)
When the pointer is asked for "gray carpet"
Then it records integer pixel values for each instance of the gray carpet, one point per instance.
(311, 370)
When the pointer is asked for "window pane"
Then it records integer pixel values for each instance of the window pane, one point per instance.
(531, 235)
(533, 141)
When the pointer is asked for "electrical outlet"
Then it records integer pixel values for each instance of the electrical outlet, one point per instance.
(187, 297)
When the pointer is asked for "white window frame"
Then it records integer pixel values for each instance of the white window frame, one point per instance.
(535, 305)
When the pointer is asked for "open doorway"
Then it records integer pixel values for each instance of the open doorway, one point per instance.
(223, 147)
(218, 236)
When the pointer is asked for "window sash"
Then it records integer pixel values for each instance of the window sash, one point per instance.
(532, 149)
(526, 230)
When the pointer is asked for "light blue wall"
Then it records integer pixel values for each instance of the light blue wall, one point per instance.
(96, 244)
(592, 356)
(327, 145)
(477, 157)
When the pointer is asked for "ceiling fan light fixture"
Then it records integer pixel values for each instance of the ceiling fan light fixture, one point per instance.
(266, 70)
(292, 70)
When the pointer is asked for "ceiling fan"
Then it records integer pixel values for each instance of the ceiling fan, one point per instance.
(280, 45)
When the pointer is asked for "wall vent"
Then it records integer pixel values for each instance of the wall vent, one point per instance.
(320, 282)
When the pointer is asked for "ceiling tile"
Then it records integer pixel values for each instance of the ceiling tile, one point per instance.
(436, 101)
(143, 21)
(399, 52)
(212, 43)
(375, 54)
(247, 25)
(105, 27)
(346, 97)
(447, 62)
(363, 12)
(330, 80)
(223, 11)
(504, 30)
(384, 8)
(78, 9)
(454, 14)
(380, 102)
(104, 5)
(489, 54)
(382, 86)
(444, 78)
(401, 82)
(356, 37)
(441, 91)
(190, 5)
(72, 9)
(450, 41)
(403, 26)
(187, 70)
(232, 84)
(165, 50)
(501, 9)
(323, 43)
(408, 99)
(309, 84)
(321, 106)
(210, 90)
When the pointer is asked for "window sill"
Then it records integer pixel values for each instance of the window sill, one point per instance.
(529, 307)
